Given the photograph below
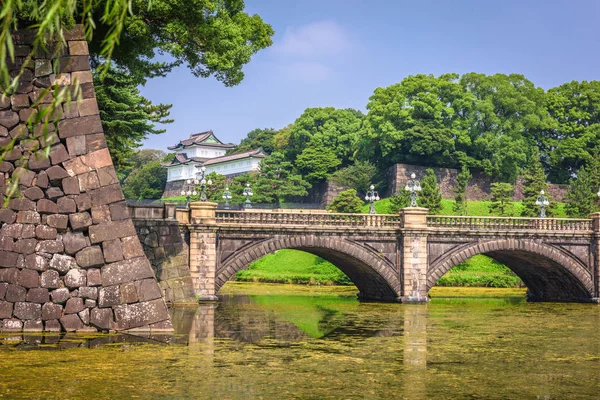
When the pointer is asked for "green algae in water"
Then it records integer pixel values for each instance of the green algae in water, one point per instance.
(314, 343)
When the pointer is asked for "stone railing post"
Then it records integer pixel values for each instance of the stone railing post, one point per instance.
(203, 250)
(596, 249)
(170, 209)
(413, 268)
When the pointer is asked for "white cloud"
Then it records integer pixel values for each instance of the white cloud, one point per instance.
(306, 71)
(317, 39)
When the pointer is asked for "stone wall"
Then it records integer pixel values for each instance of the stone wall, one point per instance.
(173, 188)
(479, 187)
(70, 259)
(166, 245)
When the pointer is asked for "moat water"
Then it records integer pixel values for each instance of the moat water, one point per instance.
(285, 342)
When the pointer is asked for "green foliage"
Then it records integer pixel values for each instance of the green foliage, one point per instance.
(334, 129)
(359, 176)
(398, 201)
(317, 163)
(460, 198)
(148, 182)
(215, 191)
(257, 138)
(430, 196)
(534, 181)
(502, 199)
(277, 180)
(127, 117)
(582, 197)
(480, 271)
(346, 202)
(293, 266)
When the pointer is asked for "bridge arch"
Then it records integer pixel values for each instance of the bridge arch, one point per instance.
(374, 276)
(550, 273)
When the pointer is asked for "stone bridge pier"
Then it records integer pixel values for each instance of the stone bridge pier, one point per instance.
(392, 258)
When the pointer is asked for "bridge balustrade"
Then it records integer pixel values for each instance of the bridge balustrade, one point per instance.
(510, 223)
(328, 219)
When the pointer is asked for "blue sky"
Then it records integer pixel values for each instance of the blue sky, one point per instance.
(335, 53)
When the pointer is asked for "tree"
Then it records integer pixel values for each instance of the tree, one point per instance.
(317, 163)
(276, 180)
(582, 198)
(263, 138)
(460, 198)
(534, 181)
(399, 200)
(215, 191)
(147, 182)
(346, 202)
(127, 117)
(359, 176)
(501, 199)
(430, 196)
(334, 129)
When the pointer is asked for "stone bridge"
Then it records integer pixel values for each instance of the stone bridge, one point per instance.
(388, 257)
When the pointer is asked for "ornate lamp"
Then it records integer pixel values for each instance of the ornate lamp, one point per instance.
(248, 193)
(227, 197)
(372, 196)
(189, 189)
(203, 183)
(542, 202)
(413, 186)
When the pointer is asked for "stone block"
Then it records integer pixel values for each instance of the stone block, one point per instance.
(62, 263)
(74, 242)
(52, 326)
(56, 173)
(85, 316)
(33, 193)
(12, 325)
(36, 262)
(79, 47)
(45, 232)
(25, 311)
(41, 179)
(70, 185)
(3, 288)
(15, 293)
(8, 259)
(126, 271)
(6, 309)
(33, 325)
(50, 246)
(71, 323)
(57, 221)
(106, 195)
(6, 166)
(28, 278)
(107, 176)
(111, 230)
(72, 63)
(128, 316)
(75, 278)
(119, 211)
(9, 119)
(113, 250)
(19, 101)
(101, 318)
(51, 311)
(76, 146)
(54, 192)
(100, 214)
(132, 247)
(90, 257)
(109, 296)
(66, 205)
(80, 221)
(25, 246)
(74, 305)
(7, 243)
(83, 201)
(50, 279)
(89, 303)
(60, 296)
(94, 277)
(38, 295)
(75, 126)
(88, 181)
(38, 161)
(148, 289)
(43, 67)
(128, 293)
(45, 206)
(82, 76)
(88, 292)
(21, 205)
(7, 216)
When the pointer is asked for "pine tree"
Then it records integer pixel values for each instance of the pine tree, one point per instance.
(534, 181)
(501, 199)
(399, 200)
(462, 181)
(346, 202)
(582, 198)
(430, 196)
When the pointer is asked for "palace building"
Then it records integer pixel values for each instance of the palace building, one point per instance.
(205, 149)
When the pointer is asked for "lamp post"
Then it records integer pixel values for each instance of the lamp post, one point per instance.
(372, 196)
(248, 193)
(203, 183)
(189, 189)
(413, 186)
(542, 202)
(227, 197)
